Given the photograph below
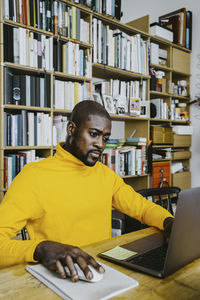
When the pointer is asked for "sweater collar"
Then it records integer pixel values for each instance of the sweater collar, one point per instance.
(66, 156)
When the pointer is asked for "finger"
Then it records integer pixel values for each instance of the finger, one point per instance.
(60, 269)
(84, 266)
(71, 267)
(91, 261)
(95, 264)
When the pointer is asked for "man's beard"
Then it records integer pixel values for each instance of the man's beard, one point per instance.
(90, 163)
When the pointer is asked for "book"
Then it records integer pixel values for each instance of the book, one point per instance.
(162, 32)
(174, 24)
(112, 284)
(182, 22)
(188, 30)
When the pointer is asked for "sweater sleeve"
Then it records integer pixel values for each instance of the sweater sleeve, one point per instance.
(135, 205)
(18, 207)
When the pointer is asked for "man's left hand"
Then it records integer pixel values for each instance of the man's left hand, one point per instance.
(168, 223)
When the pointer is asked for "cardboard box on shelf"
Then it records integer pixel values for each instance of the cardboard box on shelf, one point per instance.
(157, 134)
(181, 61)
(182, 180)
(181, 140)
(168, 135)
(161, 135)
(181, 155)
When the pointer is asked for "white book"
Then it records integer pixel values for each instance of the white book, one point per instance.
(94, 37)
(35, 54)
(6, 9)
(31, 129)
(39, 129)
(138, 161)
(9, 170)
(14, 12)
(31, 55)
(22, 46)
(57, 121)
(70, 57)
(27, 49)
(71, 94)
(99, 34)
(42, 93)
(183, 130)
(15, 44)
(77, 60)
(112, 284)
(46, 54)
(154, 53)
(132, 160)
(64, 128)
(128, 52)
(54, 135)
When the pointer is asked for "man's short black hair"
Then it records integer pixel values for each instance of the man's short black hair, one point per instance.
(84, 109)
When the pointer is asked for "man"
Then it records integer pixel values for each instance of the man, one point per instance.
(66, 200)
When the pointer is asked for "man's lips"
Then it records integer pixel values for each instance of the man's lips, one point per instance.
(95, 153)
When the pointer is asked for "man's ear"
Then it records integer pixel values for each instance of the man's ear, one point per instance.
(71, 127)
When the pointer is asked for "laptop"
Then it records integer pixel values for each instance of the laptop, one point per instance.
(156, 258)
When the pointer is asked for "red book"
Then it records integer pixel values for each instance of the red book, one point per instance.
(24, 12)
(5, 172)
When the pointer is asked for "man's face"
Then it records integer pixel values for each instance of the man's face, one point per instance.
(90, 138)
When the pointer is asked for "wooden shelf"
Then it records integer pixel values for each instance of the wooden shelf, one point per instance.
(161, 159)
(26, 147)
(135, 176)
(124, 27)
(159, 67)
(70, 76)
(161, 94)
(20, 107)
(106, 72)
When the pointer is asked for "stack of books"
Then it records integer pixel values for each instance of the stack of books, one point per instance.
(180, 21)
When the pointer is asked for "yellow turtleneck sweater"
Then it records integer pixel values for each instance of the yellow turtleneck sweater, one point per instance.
(63, 200)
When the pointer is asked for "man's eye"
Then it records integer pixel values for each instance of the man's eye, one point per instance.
(93, 134)
(106, 139)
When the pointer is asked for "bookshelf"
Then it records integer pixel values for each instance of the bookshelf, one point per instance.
(37, 65)
(176, 69)
(52, 73)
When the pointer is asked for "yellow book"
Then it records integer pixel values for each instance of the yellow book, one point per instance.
(64, 60)
(76, 92)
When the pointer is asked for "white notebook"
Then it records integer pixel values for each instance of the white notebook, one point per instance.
(113, 283)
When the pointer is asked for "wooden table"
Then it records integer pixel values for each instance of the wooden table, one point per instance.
(16, 283)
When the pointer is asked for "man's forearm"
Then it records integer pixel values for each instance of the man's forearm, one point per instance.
(16, 251)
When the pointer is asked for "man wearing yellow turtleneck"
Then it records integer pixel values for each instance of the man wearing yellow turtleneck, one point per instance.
(66, 200)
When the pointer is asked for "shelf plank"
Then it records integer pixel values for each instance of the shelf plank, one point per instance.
(20, 107)
(163, 68)
(135, 176)
(26, 147)
(104, 71)
(70, 76)
(25, 68)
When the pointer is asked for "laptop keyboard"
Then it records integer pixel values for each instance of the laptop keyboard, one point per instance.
(153, 259)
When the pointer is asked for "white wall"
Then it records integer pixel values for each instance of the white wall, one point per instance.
(133, 9)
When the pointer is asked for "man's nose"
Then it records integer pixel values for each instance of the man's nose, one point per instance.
(99, 143)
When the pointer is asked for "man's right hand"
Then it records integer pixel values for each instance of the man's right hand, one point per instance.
(55, 256)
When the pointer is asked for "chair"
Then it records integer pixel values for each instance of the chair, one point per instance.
(163, 196)
(23, 233)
